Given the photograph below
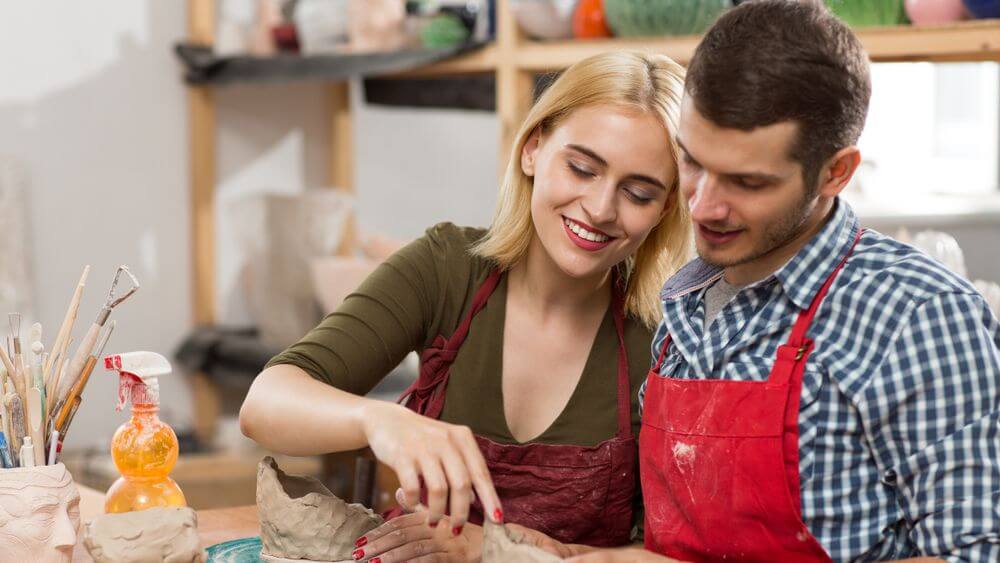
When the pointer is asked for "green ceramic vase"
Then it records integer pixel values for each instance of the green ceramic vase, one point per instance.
(866, 13)
(643, 18)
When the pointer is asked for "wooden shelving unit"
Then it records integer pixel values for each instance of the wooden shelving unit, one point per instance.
(515, 61)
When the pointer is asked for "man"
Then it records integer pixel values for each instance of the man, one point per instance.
(820, 391)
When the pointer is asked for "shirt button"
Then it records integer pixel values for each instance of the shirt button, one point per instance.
(889, 478)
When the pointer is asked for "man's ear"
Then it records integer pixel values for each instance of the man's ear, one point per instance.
(838, 171)
(529, 152)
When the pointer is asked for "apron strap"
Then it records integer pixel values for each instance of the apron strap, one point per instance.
(437, 358)
(663, 353)
(798, 337)
(478, 302)
(799, 347)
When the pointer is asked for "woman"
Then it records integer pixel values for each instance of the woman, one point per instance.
(534, 335)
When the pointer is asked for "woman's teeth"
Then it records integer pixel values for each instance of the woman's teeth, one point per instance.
(584, 233)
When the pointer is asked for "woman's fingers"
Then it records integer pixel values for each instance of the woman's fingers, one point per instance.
(429, 549)
(409, 482)
(437, 489)
(404, 521)
(460, 489)
(398, 532)
(480, 475)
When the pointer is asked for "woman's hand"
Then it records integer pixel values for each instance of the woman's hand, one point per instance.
(411, 538)
(544, 542)
(626, 555)
(445, 455)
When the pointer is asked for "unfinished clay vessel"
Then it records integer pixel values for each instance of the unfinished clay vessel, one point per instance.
(505, 545)
(302, 519)
(156, 534)
(39, 514)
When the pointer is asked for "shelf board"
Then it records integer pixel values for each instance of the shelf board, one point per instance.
(963, 41)
(203, 67)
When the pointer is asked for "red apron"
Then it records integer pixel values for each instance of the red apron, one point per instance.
(719, 460)
(574, 494)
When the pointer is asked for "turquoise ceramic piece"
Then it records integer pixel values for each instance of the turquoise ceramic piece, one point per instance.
(246, 550)
(643, 18)
(866, 13)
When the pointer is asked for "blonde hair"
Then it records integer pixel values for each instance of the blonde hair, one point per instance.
(630, 79)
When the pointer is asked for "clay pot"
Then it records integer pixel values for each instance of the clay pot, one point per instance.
(589, 21)
(930, 12)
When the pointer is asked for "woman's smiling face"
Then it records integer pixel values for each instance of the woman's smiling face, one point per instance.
(600, 184)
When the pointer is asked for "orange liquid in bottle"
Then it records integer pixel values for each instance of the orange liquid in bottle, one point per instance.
(144, 450)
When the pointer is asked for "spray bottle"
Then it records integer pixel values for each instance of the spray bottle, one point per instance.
(144, 449)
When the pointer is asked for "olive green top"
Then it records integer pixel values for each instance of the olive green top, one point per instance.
(423, 291)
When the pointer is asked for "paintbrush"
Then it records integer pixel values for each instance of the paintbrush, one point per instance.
(15, 409)
(65, 428)
(37, 379)
(67, 380)
(35, 426)
(68, 319)
(56, 376)
(15, 337)
(75, 395)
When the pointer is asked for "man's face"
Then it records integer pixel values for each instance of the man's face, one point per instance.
(746, 194)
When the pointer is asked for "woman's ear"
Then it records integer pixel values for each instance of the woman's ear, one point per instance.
(529, 152)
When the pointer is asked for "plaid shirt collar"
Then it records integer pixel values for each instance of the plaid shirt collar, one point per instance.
(800, 278)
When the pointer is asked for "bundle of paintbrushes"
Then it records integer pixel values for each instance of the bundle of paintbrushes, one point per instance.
(41, 389)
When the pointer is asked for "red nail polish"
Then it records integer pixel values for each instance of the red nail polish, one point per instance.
(432, 524)
(376, 560)
(498, 516)
(362, 541)
(358, 554)
(456, 531)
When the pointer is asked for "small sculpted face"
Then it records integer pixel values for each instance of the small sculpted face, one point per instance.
(39, 514)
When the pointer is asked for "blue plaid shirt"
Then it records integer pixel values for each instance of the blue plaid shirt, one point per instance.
(899, 423)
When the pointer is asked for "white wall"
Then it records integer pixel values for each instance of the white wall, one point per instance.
(91, 102)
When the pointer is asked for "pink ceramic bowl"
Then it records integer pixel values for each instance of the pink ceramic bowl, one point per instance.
(930, 12)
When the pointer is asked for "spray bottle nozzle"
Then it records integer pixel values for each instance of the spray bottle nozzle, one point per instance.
(139, 374)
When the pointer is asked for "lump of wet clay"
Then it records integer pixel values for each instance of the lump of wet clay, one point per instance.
(156, 534)
(302, 519)
(505, 545)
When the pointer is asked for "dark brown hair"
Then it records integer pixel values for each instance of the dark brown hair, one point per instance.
(770, 61)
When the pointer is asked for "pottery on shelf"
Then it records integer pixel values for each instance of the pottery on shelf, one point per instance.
(931, 12)
(983, 9)
(644, 18)
(866, 13)
(545, 19)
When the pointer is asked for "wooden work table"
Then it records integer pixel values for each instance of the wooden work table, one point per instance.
(214, 526)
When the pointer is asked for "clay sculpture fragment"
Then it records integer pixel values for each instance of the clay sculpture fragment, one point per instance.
(162, 534)
(506, 545)
(301, 519)
(39, 514)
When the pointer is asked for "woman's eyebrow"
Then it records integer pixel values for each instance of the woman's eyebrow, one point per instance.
(640, 177)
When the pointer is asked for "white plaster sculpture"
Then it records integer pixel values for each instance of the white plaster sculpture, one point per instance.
(505, 545)
(39, 514)
(301, 519)
(377, 25)
(168, 535)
